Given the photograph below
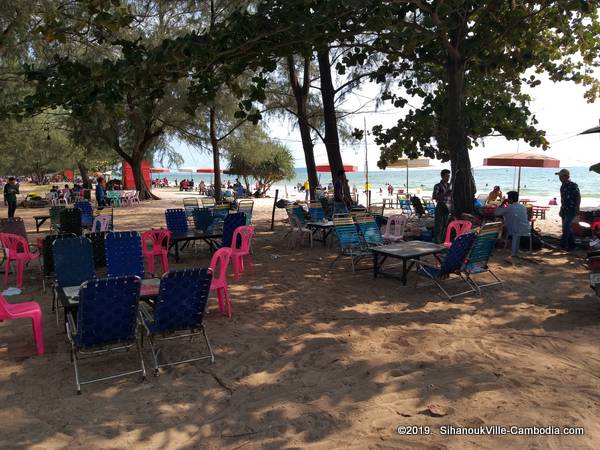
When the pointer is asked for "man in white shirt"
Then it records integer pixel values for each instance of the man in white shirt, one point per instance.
(515, 220)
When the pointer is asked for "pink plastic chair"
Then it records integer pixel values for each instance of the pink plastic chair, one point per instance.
(101, 222)
(596, 228)
(16, 248)
(459, 227)
(394, 229)
(159, 240)
(22, 311)
(220, 261)
(237, 254)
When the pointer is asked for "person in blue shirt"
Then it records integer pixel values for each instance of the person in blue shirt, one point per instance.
(515, 220)
(100, 194)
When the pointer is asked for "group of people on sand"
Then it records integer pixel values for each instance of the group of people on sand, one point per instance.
(514, 213)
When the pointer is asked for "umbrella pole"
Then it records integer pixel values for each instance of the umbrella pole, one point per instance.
(519, 182)
(407, 178)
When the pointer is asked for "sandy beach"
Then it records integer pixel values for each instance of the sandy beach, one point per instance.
(325, 358)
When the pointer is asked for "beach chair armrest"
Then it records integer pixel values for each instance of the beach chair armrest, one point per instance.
(70, 326)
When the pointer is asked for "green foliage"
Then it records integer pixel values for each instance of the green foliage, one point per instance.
(252, 154)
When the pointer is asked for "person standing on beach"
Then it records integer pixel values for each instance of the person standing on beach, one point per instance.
(441, 194)
(100, 194)
(570, 200)
(11, 189)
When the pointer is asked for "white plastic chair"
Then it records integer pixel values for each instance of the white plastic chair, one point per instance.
(394, 229)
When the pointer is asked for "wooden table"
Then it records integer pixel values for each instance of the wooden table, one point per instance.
(324, 228)
(405, 251)
(39, 221)
(194, 235)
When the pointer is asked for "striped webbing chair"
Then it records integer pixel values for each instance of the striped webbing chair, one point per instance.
(349, 239)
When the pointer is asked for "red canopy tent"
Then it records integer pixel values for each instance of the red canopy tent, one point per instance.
(522, 160)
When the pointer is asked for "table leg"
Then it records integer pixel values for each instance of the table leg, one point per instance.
(404, 272)
(375, 266)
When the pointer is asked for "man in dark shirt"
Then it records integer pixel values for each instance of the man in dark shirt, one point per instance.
(441, 194)
(570, 199)
(11, 189)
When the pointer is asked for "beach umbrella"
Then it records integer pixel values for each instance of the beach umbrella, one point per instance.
(522, 160)
(595, 167)
(187, 169)
(409, 163)
(210, 170)
(327, 168)
(159, 170)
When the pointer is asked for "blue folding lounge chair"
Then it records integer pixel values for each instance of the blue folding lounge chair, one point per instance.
(477, 259)
(97, 238)
(176, 220)
(232, 221)
(178, 312)
(87, 212)
(48, 256)
(203, 219)
(189, 204)
(246, 207)
(123, 251)
(220, 212)
(405, 207)
(316, 212)
(369, 230)
(73, 265)
(349, 239)
(451, 265)
(106, 321)
(70, 221)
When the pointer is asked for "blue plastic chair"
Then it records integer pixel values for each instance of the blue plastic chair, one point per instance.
(87, 212)
(478, 257)
(350, 242)
(106, 321)
(73, 265)
(451, 265)
(123, 250)
(176, 220)
(179, 311)
(232, 221)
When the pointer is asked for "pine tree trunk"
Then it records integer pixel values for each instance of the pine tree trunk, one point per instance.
(215, 149)
(463, 184)
(138, 179)
(332, 140)
(301, 96)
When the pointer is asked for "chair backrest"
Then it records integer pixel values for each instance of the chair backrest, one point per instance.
(218, 264)
(97, 238)
(87, 212)
(405, 206)
(595, 227)
(484, 245)
(208, 202)
(345, 230)
(14, 244)
(369, 230)
(157, 237)
(107, 312)
(395, 225)
(47, 251)
(417, 205)
(297, 211)
(124, 254)
(70, 221)
(73, 261)
(242, 237)
(232, 221)
(316, 212)
(456, 228)
(246, 207)
(189, 204)
(101, 223)
(54, 214)
(182, 299)
(176, 220)
(376, 209)
(13, 225)
(203, 219)
(455, 258)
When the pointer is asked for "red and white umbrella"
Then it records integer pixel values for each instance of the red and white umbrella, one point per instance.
(208, 170)
(522, 160)
(159, 170)
(327, 168)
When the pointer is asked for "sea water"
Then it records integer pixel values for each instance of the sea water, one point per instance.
(538, 184)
